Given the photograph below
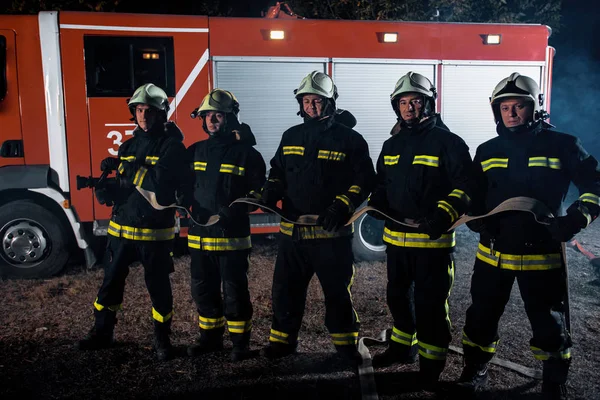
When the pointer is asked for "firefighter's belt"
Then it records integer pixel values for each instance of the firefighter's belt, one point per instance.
(144, 234)
(519, 262)
(151, 198)
(312, 232)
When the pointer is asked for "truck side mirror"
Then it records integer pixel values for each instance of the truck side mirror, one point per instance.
(3, 84)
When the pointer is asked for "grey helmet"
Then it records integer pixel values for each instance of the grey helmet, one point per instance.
(413, 82)
(517, 85)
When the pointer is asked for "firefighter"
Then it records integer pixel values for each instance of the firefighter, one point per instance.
(224, 167)
(151, 160)
(424, 173)
(527, 158)
(321, 167)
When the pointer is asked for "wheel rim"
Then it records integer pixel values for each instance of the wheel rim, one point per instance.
(370, 232)
(25, 244)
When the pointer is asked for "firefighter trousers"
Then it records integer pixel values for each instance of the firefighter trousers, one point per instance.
(297, 261)
(543, 294)
(209, 271)
(419, 284)
(157, 260)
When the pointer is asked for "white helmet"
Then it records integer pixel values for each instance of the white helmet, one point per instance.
(517, 85)
(415, 83)
(320, 84)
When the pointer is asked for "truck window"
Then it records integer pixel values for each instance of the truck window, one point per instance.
(3, 83)
(116, 65)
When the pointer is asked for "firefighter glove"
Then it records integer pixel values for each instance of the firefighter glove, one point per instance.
(565, 228)
(104, 196)
(109, 164)
(334, 216)
(226, 215)
(200, 215)
(255, 196)
(435, 224)
(270, 197)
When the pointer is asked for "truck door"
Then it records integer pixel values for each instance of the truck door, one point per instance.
(11, 139)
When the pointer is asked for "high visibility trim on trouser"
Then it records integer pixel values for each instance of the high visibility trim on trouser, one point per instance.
(313, 232)
(432, 352)
(519, 262)
(219, 244)
(279, 337)
(239, 326)
(489, 348)
(341, 339)
(211, 323)
(419, 240)
(404, 338)
(161, 318)
(113, 308)
(546, 355)
(141, 234)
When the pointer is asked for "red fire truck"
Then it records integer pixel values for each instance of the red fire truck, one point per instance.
(65, 79)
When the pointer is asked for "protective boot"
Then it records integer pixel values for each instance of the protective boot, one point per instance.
(350, 354)
(101, 336)
(554, 384)
(275, 350)
(241, 346)
(429, 373)
(396, 353)
(162, 343)
(474, 377)
(209, 341)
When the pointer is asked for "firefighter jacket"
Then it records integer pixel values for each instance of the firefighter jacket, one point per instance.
(157, 157)
(317, 163)
(225, 168)
(419, 170)
(535, 162)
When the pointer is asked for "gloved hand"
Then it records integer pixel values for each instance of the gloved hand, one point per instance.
(256, 196)
(565, 228)
(334, 216)
(435, 224)
(129, 170)
(270, 197)
(109, 164)
(201, 215)
(104, 196)
(226, 215)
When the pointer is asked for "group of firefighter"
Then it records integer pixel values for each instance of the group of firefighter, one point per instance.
(322, 167)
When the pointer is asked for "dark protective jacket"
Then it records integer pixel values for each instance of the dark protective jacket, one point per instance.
(158, 157)
(420, 169)
(535, 162)
(319, 161)
(225, 167)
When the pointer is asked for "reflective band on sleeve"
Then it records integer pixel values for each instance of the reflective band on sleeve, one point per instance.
(444, 205)
(139, 176)
(143, 234)
(590, 198)
(232, 169)
(152, 160)
(344, 199)
(355, 189)
(461, 195)
(494, 163)
(519, 262)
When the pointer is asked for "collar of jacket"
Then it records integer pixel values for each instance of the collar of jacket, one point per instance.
(424, 125)
(523, 131)
(222, 139)
(318, 125)
(169, 129)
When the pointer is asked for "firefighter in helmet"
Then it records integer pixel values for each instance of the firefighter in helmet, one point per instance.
(150, 160)
(527, 158)
(424, 173)
(321, 167)
(223, 168)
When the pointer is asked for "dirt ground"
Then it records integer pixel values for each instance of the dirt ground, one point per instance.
(41, 320)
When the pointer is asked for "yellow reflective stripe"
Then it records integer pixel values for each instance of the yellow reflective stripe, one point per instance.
(219, 244)
(341, 339)
(127, 158)
(152, 160)
(431, 161)
(232, 169)
(331, 155)
(144, 234)
(349, 288)
(313, 232)
(159, 317)
(548, 162)
(519, 262)
(494, 163)
(490, 348)
(391, 160)
(344, 199)
(139, 176)
(113, 308)
(590, 198)
(200, 166)
(295, 150)
(279, 337)
(210, 323)
(355, 189)
(444, 205)
(419, 240)
(460, 195)
(451, 270)
(404, 338)
(121, 169)
(239, 326)
(432, 352)
(545, 355)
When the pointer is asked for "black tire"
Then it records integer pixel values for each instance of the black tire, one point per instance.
(35, 242)
(368, 244)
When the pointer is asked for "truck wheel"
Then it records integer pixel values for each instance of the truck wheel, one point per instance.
(34, 241)
(367, 244)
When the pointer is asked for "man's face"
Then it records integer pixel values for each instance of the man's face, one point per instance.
(516, 112)
(215, 120)
(313, 105)
(145, 116)
(410, 106)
